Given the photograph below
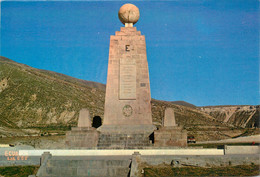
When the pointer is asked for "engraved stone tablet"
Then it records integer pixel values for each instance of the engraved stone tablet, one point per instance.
(127, 79)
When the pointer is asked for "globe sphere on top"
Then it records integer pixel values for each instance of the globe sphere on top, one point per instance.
(128, 13)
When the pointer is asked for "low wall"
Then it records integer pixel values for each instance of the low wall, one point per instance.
(241, 149)
(101, 166)
(9, 156)
(16, 156)
(201, 161)
(83, 166)
(122, 152)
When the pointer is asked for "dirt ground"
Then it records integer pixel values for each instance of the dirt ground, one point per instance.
(247, 139)
(38, 142)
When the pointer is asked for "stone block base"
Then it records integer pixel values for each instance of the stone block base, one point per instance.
(125, 137)
(123, 141)
(82, 138)
(170, 137)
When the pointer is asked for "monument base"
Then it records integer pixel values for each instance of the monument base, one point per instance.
(125, 136)
(170, 137)
(82, 138)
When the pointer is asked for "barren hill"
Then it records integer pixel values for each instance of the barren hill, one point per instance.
(39, 102)
(239, 115)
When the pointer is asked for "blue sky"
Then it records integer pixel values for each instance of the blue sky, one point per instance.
(202, 52)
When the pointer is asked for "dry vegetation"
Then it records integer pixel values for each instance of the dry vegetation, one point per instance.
(167, 171)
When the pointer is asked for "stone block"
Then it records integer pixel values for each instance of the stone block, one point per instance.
(82, 137)
(114, 140)
(115, 38)
(73, 163)
(142, 38)
(124, 29)
(138, 33)
(120, 33)
(84, 118)
(169, 118)
(44, 157)
(170, 137)
(82, 172)
(242, 149)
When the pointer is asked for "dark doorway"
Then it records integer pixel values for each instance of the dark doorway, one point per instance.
(151, 138)
(97, 122)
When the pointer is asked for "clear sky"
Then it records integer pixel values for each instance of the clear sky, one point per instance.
(202, 52)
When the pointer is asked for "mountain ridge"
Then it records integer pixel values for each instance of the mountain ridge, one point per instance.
(184, 103)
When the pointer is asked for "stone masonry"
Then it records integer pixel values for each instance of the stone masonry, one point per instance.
(169, 118)
(128, 95)
(83, 136)
(84, 118)
(170, 135)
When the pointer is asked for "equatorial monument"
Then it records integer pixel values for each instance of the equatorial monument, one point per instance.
(127, 117)
(127, 122)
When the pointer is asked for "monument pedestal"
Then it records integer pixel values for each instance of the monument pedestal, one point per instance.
(82, 138)
(125, 136)
(170, 137)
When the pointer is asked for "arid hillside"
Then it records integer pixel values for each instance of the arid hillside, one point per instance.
(32, 99)
(37, 102)
(240, 116)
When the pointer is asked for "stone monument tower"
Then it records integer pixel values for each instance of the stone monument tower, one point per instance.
(127, 118)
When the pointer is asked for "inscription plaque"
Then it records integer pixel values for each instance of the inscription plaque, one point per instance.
(127, 79)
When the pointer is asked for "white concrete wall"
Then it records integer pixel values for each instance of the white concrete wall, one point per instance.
(242, 150)
(123, 152)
